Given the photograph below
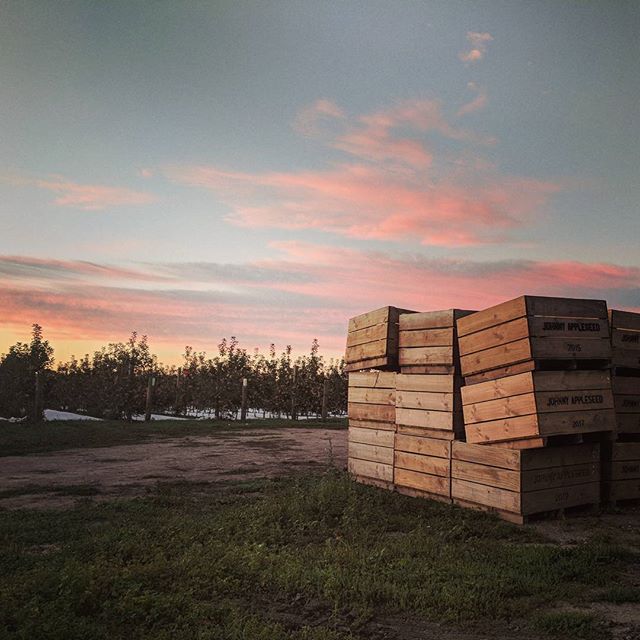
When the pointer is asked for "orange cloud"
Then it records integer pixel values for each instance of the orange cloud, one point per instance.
(478, 103)
(478, 42)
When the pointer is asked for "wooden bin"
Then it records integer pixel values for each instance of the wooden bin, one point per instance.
(533, 332)
(429, 405)
(621, 474)
(519, 484)
(626, 398)
(372, 340)
(625, 339)
(371, 427)
(428, 342)
(422, 467)
(538, 404)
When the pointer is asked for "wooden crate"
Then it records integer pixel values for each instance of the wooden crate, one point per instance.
(429, 405)
(372, 427)
(626, 398)
(428, 342)
(538, 404)
(518, 484)
(533, 333)
(625, 339)
(621, 473)
(422, 467)
(372, 340)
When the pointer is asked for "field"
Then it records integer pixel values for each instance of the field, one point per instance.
(212, 530)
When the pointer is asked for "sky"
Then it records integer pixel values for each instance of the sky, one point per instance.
(268, 169)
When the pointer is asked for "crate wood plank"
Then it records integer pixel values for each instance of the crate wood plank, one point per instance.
(444, 420)
(430, 369)
(487, 455)
(566, 307)
(373, 412)
(422, 432)
(624, 490)
(425, 400)
(372, 396)
(442, 383)
(370, 452)
(420, 356)
(625, 358)
(370, 469)
(483, 494)
(373, 379)
(624, 339)
(425, 495)
(526, 443)
(423, 445)
(378, 437)
(432, 319)
(373, 482)
(500, 372)
(628, 423)
(627, 403)
(535, 381)
(492, 316)
(623, 451)
(564, 349)
(384, 315)
(369, 334)
(426, 338)
(501, 356)
(520, 405)
(368, 351)
(560, 498)
(625, 385)
(423, 464)
(555, 477)
(484, 474)
(371, 424)
(423, 481)
(373, 363)
(546, 424)
(624, 319)
(495, 336)
(625, 470)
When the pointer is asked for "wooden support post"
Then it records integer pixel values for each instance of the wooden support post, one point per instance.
(243, 405)
(325, 398)
(150, 386)
(294, 412)
(37, 401)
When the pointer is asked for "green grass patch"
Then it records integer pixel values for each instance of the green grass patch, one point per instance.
(621, 594)
(25, 439)
(572, 624)
(308, 557)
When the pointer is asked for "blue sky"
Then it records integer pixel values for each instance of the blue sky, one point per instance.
(148, 134)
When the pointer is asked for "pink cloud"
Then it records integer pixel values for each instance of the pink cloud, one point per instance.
(478, 103)
(87, 197)
(309, 120)
(478, 46)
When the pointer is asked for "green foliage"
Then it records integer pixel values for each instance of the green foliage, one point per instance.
(572, 624)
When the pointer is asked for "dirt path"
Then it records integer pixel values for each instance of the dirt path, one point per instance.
(128, 469)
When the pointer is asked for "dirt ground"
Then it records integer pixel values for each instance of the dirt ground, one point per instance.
(129, 469)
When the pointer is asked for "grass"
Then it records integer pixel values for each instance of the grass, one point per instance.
(305, 558)
(24, 439)
(573, 624)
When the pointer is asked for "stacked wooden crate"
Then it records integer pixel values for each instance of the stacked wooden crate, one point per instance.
(371, 407)
(535, 378)
(621, 469)
(428, 403)
(372, 340)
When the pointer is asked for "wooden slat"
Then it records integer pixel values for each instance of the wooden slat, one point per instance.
(494, 336)
(444, 420)
(370, 350)
(370, 469)
(566, 307)
(500, 372)
(368, 334)
(625, 358)
(425, 400)
(624, 319)
(430, 383)
(496, 389)
(422, 481)
(591, 400)
(373, 379)
(624, 490)
(422, 432)
(373, 363)
(432, 369)
(622, 451)
(559, 327)
(372, 396)
(425, 495)
(625, 385)
(485, 495)
(560, 498)
(574, 349)
(525, 443)
(486, 455)
(539, 479)
(370, 319)
(377, 437)
(623, 339)
(425, 356)
(370, 452)
(564, 456)
(506, 354)
(371, 424)
(520, 405)
(426, 338)
(627, 403)
(628, 423)
(625, 470)
(484, 474)
(423, 464)
(432, 319)
(486, 318)
(423, 445)
(373, 412)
